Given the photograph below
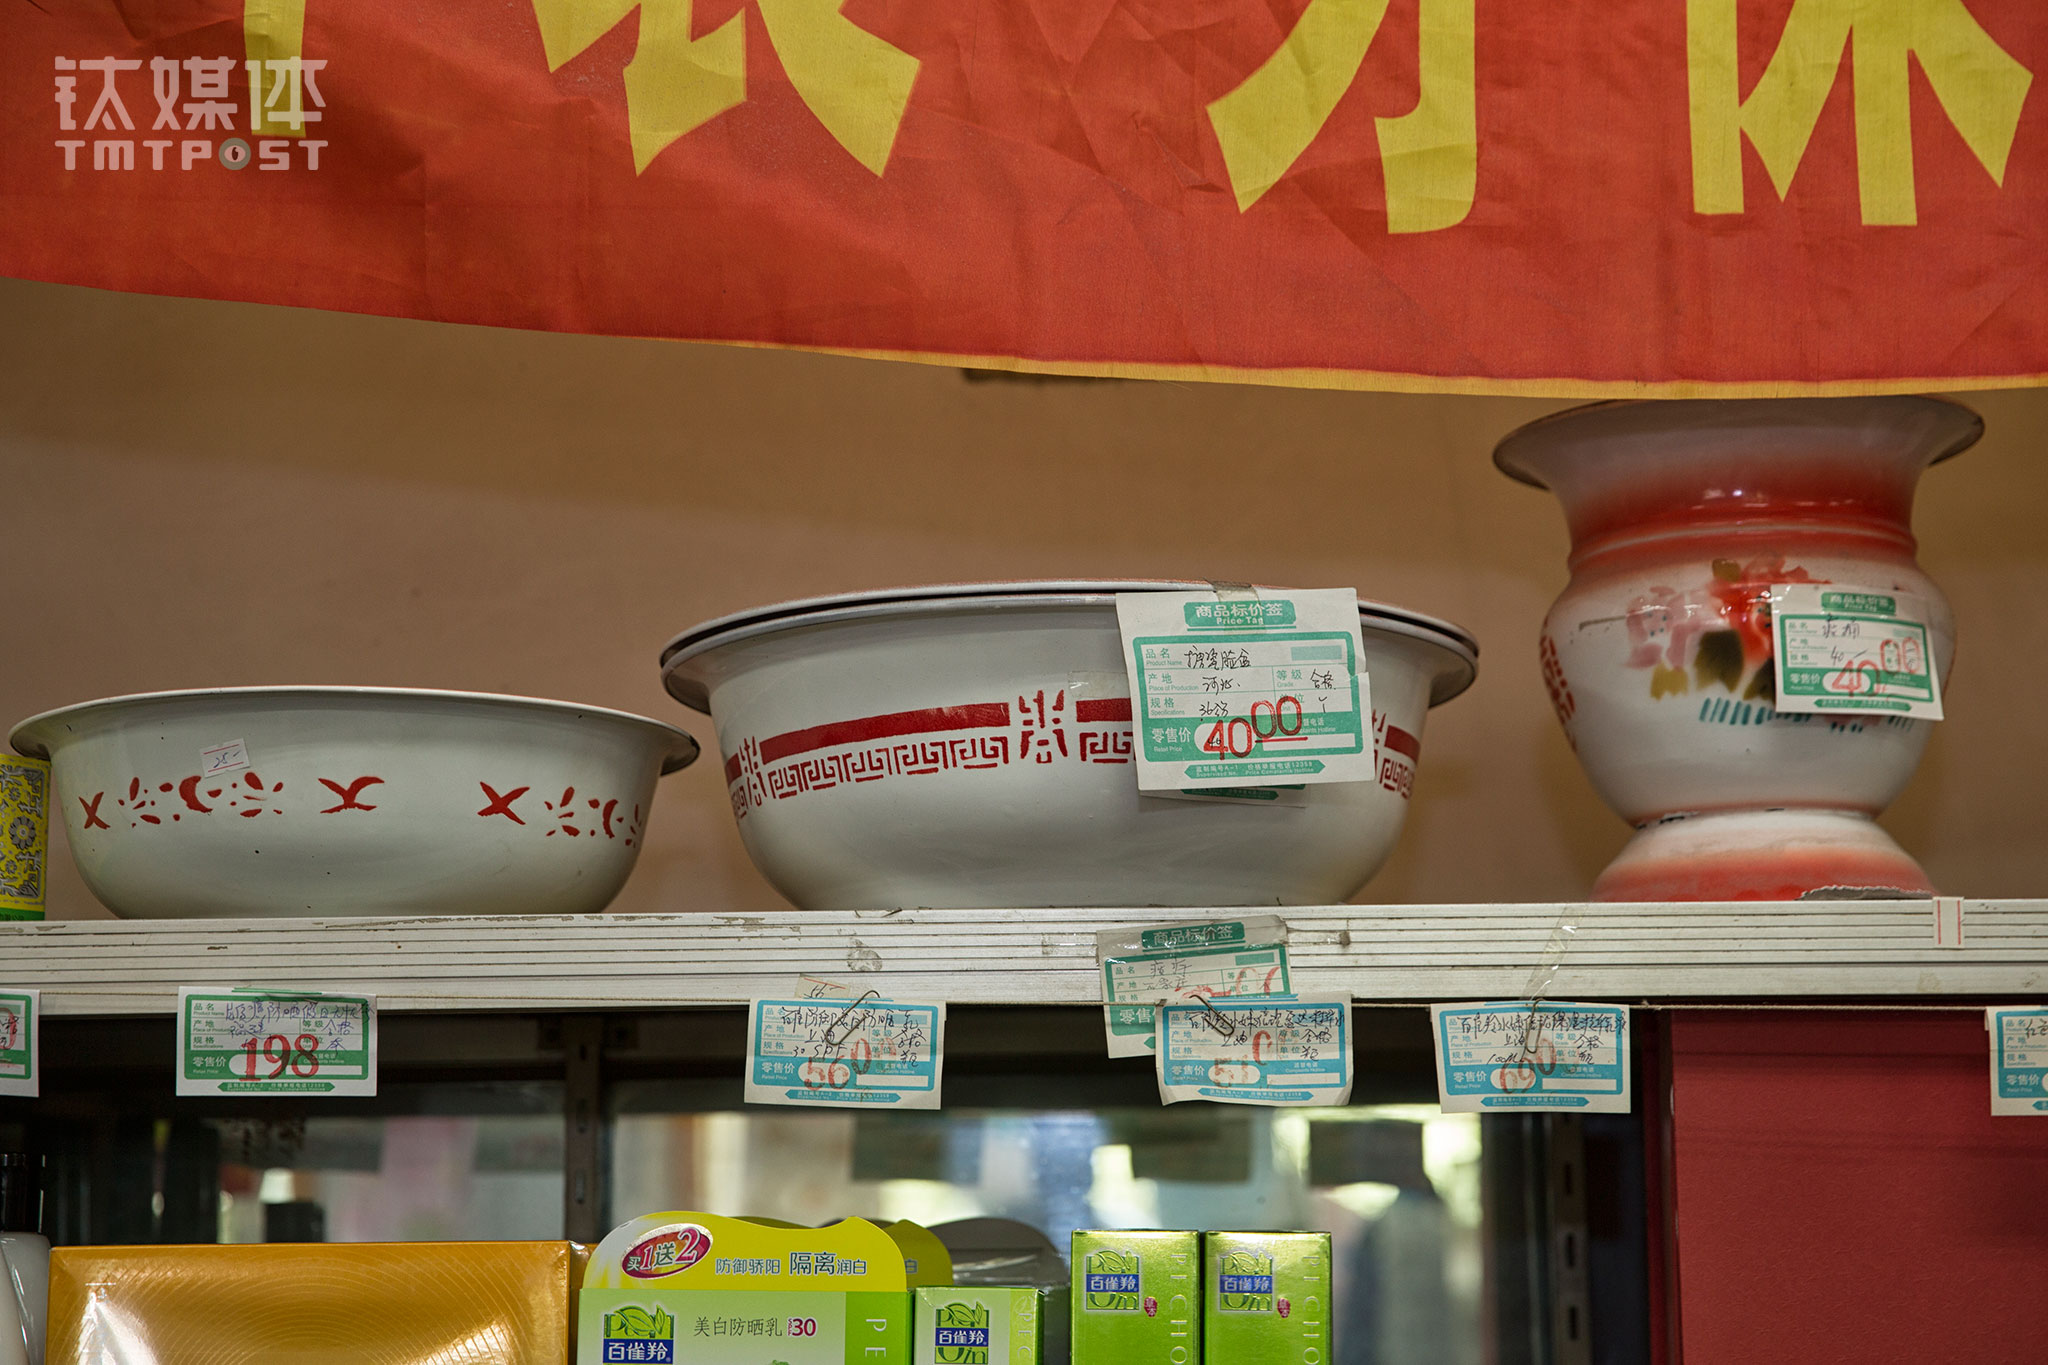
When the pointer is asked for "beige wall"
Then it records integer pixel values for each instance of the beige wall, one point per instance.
(203, 494)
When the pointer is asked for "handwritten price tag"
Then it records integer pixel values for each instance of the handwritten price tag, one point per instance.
(2019, 1059)
(20, 1043)
(224, 758)
(1511, 1054)
(256, 1042)
(860, 1054)
(1211, 958)
(1844, 649)
(1247, 692)
(1271, 1052)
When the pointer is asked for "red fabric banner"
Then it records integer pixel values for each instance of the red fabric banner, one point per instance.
(1639, 196)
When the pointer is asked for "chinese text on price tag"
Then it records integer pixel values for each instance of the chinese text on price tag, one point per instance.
(1237, 691)
(20, 1023)
(1277, 1052)
(1216, 958)
(1842, 649)
(2019, 1059)
(257, 1042)
(1512, 1054)
(863, 1054)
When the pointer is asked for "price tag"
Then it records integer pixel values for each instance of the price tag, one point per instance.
(1210, 958)
(1845, 649)
(1511, 1054)
(1274, 1052)
(246, 1041)
(859, 1054)
(21, 1025)
(1250, 691)
(819, 988)
(224, 758)
(2019, 1059)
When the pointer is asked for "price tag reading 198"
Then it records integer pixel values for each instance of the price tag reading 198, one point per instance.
(248, 1041)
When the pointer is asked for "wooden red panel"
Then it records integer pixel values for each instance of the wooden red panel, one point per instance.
(1843, 1192)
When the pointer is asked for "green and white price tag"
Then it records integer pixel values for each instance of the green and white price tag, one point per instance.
(20, 1024)
(1278, 1052)
(1147, 968)
(1842, 649)
(1251, 690)
(1522, 1054)
(2019, 1059)
(866, 1053)
(246, 1041)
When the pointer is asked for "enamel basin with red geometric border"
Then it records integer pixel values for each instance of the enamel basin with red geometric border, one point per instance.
(969, 745)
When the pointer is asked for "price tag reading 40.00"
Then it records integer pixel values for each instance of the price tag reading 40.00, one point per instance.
(1247, 691)
(1850, 650)
(247, 1041)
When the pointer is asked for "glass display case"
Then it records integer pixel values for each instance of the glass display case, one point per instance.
(1457, 1238)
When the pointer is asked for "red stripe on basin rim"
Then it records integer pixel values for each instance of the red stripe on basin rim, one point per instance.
(932, 720)
(732, 770)
(1101, 708)
(1401, 742)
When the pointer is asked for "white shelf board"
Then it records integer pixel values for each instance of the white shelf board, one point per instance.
(1386, 953)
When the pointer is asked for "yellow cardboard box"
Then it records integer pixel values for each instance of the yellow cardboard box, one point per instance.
(360, 1303)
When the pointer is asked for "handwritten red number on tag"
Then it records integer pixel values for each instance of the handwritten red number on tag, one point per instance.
(1278, 711)
(821, 1073)
(1223, 737)
(1517, 1078)
(277, 1049)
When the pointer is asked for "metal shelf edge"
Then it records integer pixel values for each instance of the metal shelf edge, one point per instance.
(1393, 953)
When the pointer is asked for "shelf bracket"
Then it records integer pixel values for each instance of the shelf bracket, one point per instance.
(583, 1198)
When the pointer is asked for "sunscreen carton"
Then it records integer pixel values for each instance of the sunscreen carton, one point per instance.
(980, 1325)
(1136, 1298)
(667, 1288)
(925, 1258)
(1266, 1298)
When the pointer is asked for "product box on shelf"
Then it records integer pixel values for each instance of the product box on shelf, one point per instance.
(667, 1288)
(1137, 1298)
(980, 1325)
(925, 1258)
(366, 1303)
(1266, 1297)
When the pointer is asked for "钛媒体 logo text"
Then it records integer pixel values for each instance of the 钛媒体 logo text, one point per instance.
(188, 113)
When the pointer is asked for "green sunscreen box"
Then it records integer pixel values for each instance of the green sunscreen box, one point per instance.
(980, 1325)
(685, 1288)
(1266, 1298)
(1137, 1298)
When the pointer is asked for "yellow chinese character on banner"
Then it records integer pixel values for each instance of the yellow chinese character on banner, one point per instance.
(1980, 86)
(1429, 156)
(857, 84)
(274, 36)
